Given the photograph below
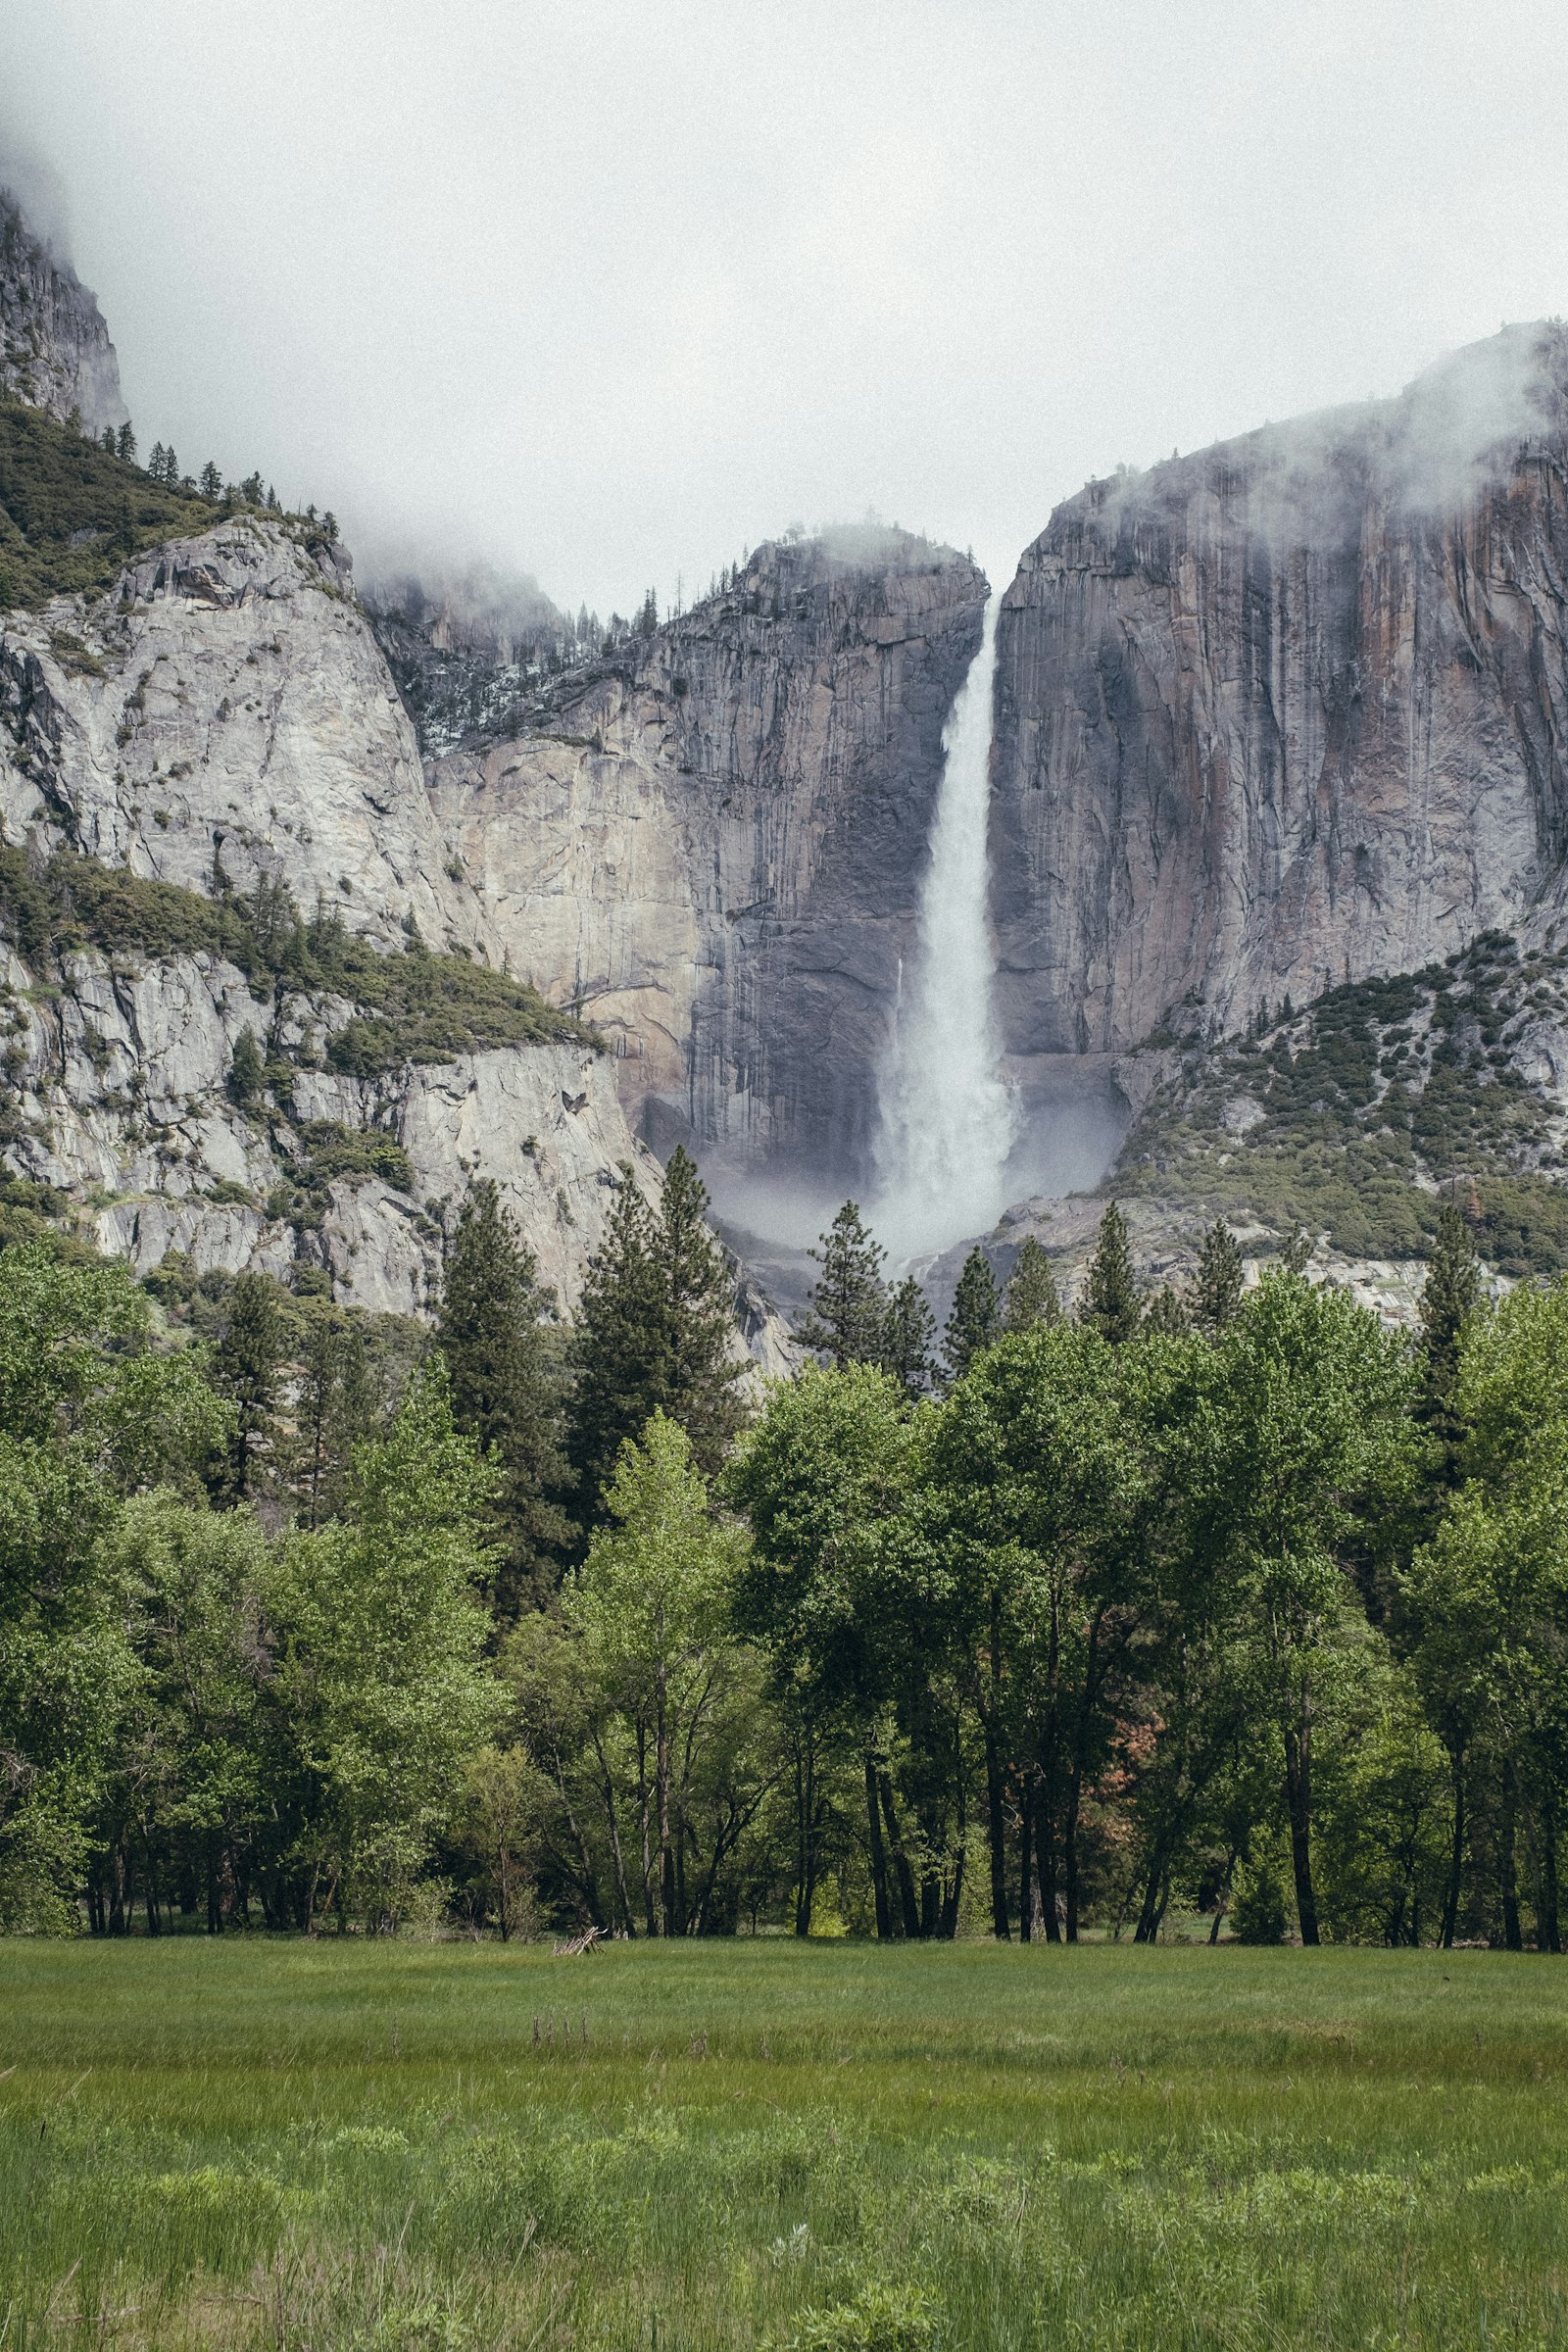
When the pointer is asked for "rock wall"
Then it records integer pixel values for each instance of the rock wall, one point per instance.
(227, 707)
(117, 1093)
(55, 351)
(714, 842)
(1289, 712)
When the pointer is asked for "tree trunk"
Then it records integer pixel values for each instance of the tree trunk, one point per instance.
(1507, 1862)
(1046, 1871)
(662, 1772)
(1026, 1863)
(1298, 1805)
(1450, 1896)
(1070, 1853)
(907, 1900)
(997, 1825)
(805, 1843)
(1548, 1935)
(879, 1860)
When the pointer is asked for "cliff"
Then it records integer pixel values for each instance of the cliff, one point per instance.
(55, 351)
(225, 710)
(712, 840)
(1288, 713)
(221, 723)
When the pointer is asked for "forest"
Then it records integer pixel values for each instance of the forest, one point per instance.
(1223, 1604)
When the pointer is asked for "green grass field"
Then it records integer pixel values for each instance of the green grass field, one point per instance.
(435, 2145)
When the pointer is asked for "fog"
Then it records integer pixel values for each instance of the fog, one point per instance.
(605, 296)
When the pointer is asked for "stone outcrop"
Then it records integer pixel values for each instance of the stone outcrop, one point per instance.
(714, 841)
(1289, 712)
(226, 710)
(55, 351)
(117, 1093)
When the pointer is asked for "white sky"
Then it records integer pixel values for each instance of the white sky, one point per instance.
(611, 292)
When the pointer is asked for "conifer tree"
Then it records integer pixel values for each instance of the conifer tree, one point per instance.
(1110, 1302)
(654, 1332)
(212, 481)
(126, 444)
(1166, 1311)
(334, 1411)
(1031, 1295)
(1448, 1298)
(170, 468)
(245, 1369)
(1218, 1284)
(848, 1302)
(505, 1394)
(909, 1338)
(246, 1069)
(107, 442)
(975, 1322)
(155, 464)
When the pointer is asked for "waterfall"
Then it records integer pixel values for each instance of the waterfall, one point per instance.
(946, 1116)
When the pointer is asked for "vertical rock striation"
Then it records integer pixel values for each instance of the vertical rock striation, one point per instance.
(715, 842)
(55, 351)
(1289, 712)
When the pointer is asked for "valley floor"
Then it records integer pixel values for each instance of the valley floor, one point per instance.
(850, 2149)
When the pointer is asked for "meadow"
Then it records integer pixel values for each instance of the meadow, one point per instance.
(832, 2145)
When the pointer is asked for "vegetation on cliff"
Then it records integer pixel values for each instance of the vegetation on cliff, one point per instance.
(417, 1005)
(1349, 1115)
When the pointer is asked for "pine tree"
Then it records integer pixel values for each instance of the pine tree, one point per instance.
(1031, 1295)
(126, 445)
(505, 1392)
(848, 1302)
(1166, 1311)
(245, 1368)
(155, 464)
(107, 442)
(246, 1069)
(1296, 1250)
(654, 1332)
(212, 481)
(975, 1322)
(1218, 1284)
(909, 1338)
(334, 1411)
(1110, 1302)
(646, 620)
(1450, 1295)
(170, 468)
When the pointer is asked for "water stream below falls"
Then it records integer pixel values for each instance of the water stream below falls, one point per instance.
(947, 1119)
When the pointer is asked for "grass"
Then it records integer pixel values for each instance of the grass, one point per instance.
(740, 2144)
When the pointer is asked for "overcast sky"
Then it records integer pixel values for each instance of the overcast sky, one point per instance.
(611, 292)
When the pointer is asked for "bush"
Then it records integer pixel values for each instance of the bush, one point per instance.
(1258, 1913)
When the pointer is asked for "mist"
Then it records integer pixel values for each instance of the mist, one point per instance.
(605, 297)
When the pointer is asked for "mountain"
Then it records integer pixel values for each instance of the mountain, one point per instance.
(55, 351)
(468, 645)
(711, 840)
(1280, 819)
(1289, 712)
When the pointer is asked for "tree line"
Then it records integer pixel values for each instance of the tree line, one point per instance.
(1222, 1600)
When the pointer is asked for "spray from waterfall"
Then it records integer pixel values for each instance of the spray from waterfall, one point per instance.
(946, 1117)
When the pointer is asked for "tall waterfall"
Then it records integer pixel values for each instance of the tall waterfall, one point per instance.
(946, 1117)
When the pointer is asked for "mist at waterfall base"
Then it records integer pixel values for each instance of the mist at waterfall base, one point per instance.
(961, 1132)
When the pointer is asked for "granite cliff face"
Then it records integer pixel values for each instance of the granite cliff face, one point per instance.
(713, 841)
(223, 716)
(117, 1093)
(226, 709)
(55, 351)
(1288, 713)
